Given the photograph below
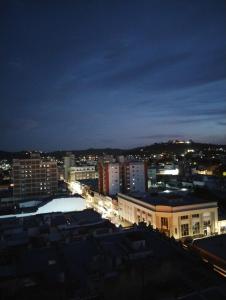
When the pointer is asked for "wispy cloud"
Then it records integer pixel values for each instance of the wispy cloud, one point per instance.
(160, 136)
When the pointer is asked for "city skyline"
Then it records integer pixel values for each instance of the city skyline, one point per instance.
(116, 74)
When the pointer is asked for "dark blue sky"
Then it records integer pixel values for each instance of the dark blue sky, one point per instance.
(79, 74)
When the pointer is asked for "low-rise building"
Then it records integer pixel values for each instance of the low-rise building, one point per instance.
(178, 216)
(82, 172)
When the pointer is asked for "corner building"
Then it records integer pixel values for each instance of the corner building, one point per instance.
(180, 217)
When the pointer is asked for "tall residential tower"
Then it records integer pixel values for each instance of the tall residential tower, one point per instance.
(122, 176)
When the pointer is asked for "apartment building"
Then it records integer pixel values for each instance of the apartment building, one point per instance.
(135, 176)
(34, 177)
(115, 177)
(110, 179)
(82, 172)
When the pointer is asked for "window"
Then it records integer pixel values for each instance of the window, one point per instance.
(184, 217)
(195, 216)
(164, 223)
(196, 228)
(184, 230)
(206, 224)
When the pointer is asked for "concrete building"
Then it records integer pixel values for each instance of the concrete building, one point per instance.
(135, 177)
(178, 216)
(115, 177)
(34, 177)
(69, 161)
(82, 172)
(110, 179)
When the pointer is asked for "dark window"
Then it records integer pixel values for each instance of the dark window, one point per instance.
(164, 223)
(196, 228)
(195, 216)
(184, 229)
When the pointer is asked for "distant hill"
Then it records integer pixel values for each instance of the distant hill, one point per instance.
(168, 147)
(177, 148)
(10, 155)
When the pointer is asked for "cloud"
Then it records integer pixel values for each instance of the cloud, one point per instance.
(139, 71)
(15, 125)
(215, 112)
(164, 71)
(160, 136)
(222, 123)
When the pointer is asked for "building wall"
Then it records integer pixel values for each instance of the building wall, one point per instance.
(114, 178)
(222, 226)
(135, 177)
(100, 178)
(34, 178)
(82, 172)
(171, 219)
(69, 161)
(117, 177)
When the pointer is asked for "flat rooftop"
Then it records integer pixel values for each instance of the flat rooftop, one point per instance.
(170, 199)
(55, 205)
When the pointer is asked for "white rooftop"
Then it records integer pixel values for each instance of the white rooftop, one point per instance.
(56, 205)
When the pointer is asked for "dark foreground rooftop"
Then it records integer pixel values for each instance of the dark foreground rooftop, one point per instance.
(216, 245)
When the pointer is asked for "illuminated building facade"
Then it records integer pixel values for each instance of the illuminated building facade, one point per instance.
(179, 217)
(69, 161)
(167, 169)
(82, 172)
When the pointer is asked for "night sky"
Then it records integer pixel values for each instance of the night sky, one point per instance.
(80, 74)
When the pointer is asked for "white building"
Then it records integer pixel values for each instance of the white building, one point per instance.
(82, 172)
(113, 178)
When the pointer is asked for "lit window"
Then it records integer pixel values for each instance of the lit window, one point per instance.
(206, 223)
(164, 223)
